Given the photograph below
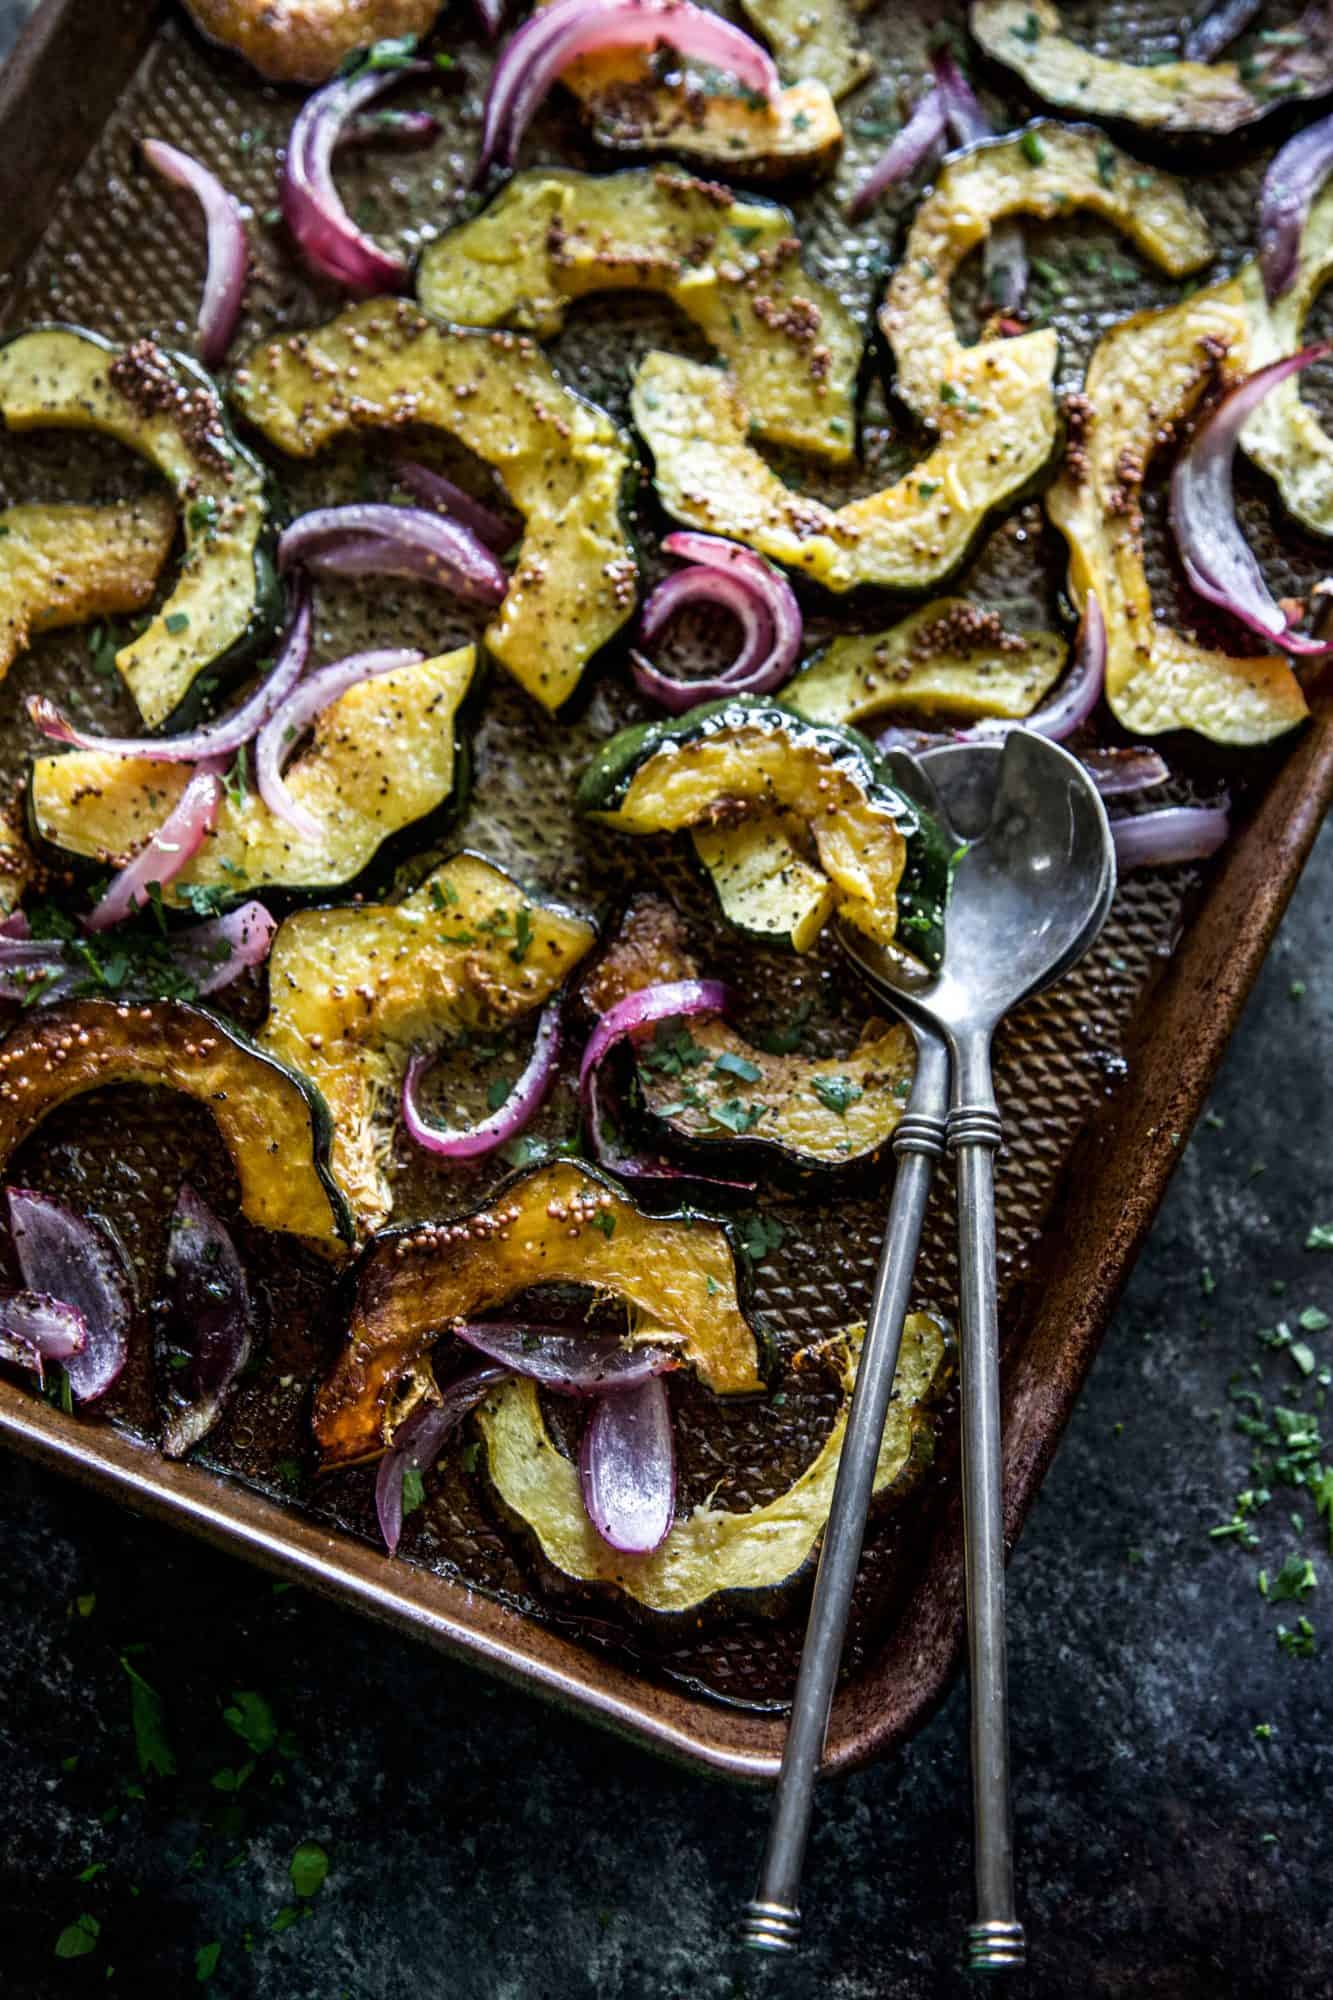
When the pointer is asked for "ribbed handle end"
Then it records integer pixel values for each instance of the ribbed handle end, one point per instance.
(771, 1927)
(995, 1947)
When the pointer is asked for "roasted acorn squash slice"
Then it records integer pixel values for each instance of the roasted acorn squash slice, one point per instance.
(1146, 375)
(559, 1224)
(812, 41)
(353, 989)
(1028, 37)
(1285, 436)
(164, 407)
(304, 41)
(273, 1123)
(732, 266)
(714, 1091)
(380, 757)
(950, 658)
(563, 463)
(18, 863)
(723, 763)
(61, 565)
(756, 1550)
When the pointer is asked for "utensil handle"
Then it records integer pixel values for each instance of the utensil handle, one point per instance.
(773, 1919)
(995, 1941)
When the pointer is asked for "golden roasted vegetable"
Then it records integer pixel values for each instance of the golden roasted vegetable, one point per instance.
(950, 658)
(816, 41)
(62, 565)
(304, 41)
(1285, 436)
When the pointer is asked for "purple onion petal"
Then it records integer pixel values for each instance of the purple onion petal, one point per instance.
(1294, 177)
(569, 1364)
(1217, 560)
(216, 739)
(627, 1469)
(1213, 30)
(372, 539)
(921, 140)
(228, 251)
(80, 1262)
(278, 737)
(36, 1328)
(517, 1111)
(1117, 772)
(763, 602)
(174, 844)
(418, 1441)
(210, 1322)
(312, 208)
(432, 489)
(1176, 833)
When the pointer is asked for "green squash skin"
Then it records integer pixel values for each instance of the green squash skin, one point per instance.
(267, 611)
(924, 887)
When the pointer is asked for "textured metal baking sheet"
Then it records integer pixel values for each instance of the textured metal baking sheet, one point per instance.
(1096, 1081)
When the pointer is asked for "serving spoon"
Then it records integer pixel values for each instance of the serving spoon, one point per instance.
(1031, 889)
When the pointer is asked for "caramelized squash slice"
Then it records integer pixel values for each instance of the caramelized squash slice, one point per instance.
(274, 1124)
(352, 989)
(380, 758)
(1028, 37)
(61, 565)
(713, 1091)
(732, 266)
(385, 364)
(812, 41)
(991, 407)
(1285, 436)
(1146, 375)
(304, 41)
(951, 658)
(559, 1224)
(710, 1551)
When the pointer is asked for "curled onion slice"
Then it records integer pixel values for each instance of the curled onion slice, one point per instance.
(1213, 30)
(228, 251)
(1217, 560)
(762, 601)
(557, 35)
(371, 539)
(1117, 772)
(216, 739)
(920, 140)
(277, 739)
(209, 1325)
(627, 1468)
(570, 1364)
(432, 489)
(417, 1444)
(82, 1263)
(178, 839)
(508, 1120)
(1006, 263)
(218, 950)
(1176, 833)
(1294, 177)
(312, 208)
(36, 1328)
(671, 1001)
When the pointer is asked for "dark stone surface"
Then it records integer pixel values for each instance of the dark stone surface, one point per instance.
(485, 1848)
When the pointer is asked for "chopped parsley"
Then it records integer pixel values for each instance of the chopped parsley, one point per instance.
(497, 1091)
(201, 516)
(206, 1961)
(735, 1116)
(674, 1050)
(606, 1222)
(236, 780)
(1320, 1236)
(782, 1041)
(1028, 29)
(759, 1234)
(836, 1093)
(518, 951)
(414, 1489)
(1033, 148)
(250, 1716)
(79, 1938)
(148, 1718)
(177, 622)
(443, 895)
(308, 1869)
(729, 1064)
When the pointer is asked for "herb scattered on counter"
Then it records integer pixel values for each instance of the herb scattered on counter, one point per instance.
(1320, 1237)
(154, 1752)
(79, 1938)
(251, 1717)
(1297, 1641)
(308, 1869)
(206, 1961)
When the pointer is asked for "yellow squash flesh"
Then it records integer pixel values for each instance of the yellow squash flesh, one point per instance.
(353, 989)
(946, 659)
(812, 39)
(61, 565)
(381, 757)
(710, 1550)
(763, 881)
(383, 365)
(1285, 436)
(732, 266)
(1146, 375)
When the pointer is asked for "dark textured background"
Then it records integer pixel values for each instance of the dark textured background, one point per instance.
(480, 1845)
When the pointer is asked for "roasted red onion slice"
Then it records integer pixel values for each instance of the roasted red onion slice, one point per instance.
(418, 1441)
(278, 737)
(1006, 263)
(220, 949)
(508, 1121)
(921, 140)
(627, 1468)
(35, 1329)
(432, 489)
(82, 1263)
(490, 13)
(1116, 772)
(228, 251)
(1295, 175)
(206, 1340)
(371, 539)
(1078, 694)
(328, 239)
(1214, 554)
(1211, 33)
(761, 600)
(569, 1364)
(216, 739)
(557, 35)
(673, 1000)
(178, 839)
(1176, 833)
